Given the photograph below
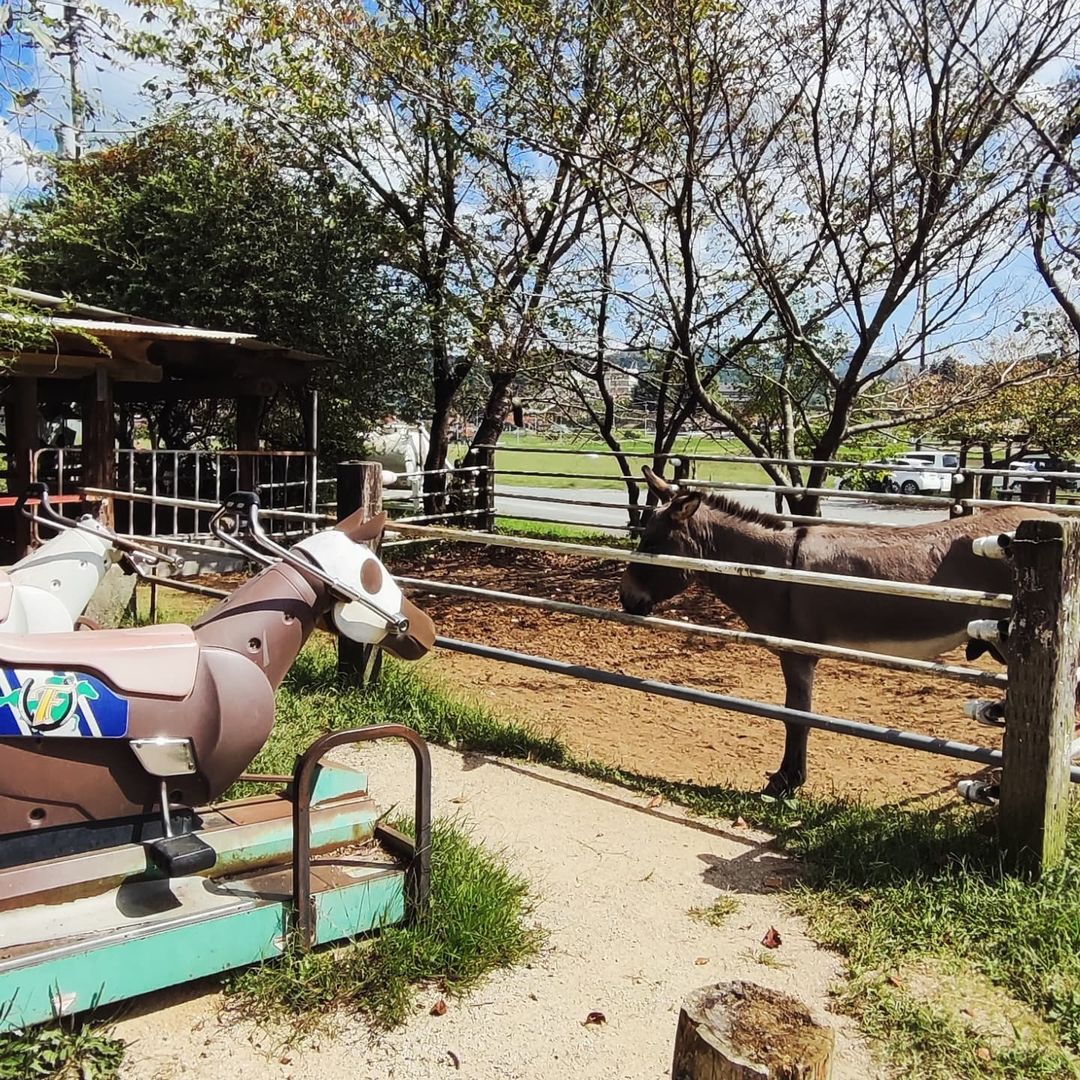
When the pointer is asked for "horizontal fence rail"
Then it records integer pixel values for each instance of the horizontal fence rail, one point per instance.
(1051, 508)
(198, 504)
(795, 519)
(714, 566)
(677, 456)
(874, 732)
(925, 501)
(794, 645)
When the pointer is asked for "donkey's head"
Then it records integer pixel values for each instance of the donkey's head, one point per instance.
(669, 532)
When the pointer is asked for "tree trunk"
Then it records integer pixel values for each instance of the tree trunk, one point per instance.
(741, 1031)
(495, 410)
(435, 483)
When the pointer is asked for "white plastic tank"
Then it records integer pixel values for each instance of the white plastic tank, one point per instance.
(401, 449)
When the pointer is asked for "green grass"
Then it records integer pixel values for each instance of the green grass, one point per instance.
(543, 530)
(717, 913)
(601, 471)
(60, 1053)
(478, 920)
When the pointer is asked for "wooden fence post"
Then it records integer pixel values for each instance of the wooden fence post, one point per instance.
(1044, 638)
(963, 487)
(359, 487)
(485, 489)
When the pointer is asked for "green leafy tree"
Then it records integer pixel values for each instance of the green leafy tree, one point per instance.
(204, 226)
(469, 121)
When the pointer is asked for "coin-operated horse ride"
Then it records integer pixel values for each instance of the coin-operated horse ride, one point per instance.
(119, 873)
(48, 590)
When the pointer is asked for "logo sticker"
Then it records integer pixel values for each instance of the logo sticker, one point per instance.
(63, 703)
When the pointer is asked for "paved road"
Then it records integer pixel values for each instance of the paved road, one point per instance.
(521, 502)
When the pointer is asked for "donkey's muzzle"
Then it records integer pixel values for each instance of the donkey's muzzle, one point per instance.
(635, 602)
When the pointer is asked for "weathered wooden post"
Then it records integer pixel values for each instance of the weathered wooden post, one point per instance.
(963, 487)
(359, 487)
(1044, 638)
(683, 467)
(742, 1031)
(485, 489)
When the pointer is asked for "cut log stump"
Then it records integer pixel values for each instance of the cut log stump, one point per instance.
(741, 1031)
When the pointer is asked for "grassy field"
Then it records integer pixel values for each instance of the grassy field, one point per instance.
(518, 453)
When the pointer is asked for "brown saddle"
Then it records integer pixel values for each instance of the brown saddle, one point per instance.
(155, 661)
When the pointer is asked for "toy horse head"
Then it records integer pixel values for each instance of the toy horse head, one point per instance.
(380, 614)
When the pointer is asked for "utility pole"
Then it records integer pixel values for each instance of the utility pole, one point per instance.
(69, 134)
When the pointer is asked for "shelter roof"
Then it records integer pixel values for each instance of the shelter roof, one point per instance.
(133, 349)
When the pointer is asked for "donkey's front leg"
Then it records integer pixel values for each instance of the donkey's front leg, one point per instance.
(799, 679)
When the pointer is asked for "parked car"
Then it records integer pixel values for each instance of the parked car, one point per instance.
(1029, 466)
(916, 472)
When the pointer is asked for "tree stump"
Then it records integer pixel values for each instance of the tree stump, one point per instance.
(741, 1031)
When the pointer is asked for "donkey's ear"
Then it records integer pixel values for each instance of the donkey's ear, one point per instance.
(658, 485)
(684, 507)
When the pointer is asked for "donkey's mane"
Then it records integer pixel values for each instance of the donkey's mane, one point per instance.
(749, 514)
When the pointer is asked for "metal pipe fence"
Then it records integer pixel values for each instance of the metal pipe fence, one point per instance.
(716, 566)
(785, 644)
(911, 740)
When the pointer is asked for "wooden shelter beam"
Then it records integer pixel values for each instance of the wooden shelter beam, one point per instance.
(22, 434)
(99, 438)
(249, 411)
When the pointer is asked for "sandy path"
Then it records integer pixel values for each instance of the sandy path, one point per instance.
(615, 880)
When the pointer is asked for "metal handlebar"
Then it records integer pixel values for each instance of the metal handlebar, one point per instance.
(48, 516)
(242, 508)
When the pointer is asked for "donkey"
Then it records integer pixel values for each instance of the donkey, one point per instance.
(714, 527)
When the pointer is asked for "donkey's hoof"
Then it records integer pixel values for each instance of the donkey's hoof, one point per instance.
(782, 786)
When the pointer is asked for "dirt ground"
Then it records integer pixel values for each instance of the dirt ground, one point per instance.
(614, 879)
(674, 739)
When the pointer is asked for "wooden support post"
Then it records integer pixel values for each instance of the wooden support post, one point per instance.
(311, 441)
(963, 488)
(248, 423)
(359, 487)
(22, 433)
(98, 462)
(741, 1031)
(485, 490)
(1044, 639)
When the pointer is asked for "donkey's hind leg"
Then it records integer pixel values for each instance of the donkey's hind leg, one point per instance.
(799, 679)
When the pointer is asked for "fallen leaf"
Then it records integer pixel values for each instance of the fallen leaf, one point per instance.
(460, 799)
(454, 1059)
(439, 1008)
(656, 801)
(896, 981)
(772, 940)
(701, 961)
(773, 882)
(533, 997)
(596, 1018)
(983, 1053)
(739, 823)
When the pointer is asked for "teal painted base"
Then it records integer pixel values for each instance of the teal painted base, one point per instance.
(146, 934)
(102, 972)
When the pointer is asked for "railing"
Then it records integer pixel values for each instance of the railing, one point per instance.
(953, 494)
(164, 488)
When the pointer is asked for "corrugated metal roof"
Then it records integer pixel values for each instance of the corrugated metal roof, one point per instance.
(106, 328)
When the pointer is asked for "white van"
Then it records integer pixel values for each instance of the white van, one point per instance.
(913, 476)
